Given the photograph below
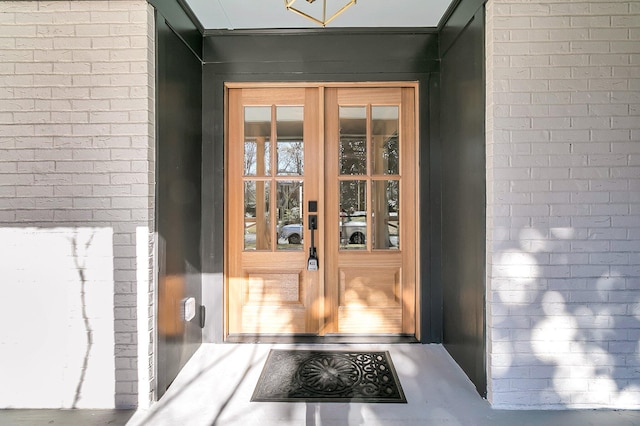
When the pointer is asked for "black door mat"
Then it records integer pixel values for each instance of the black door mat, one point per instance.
(328, 376)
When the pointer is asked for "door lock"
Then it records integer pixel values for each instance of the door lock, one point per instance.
(312, 263)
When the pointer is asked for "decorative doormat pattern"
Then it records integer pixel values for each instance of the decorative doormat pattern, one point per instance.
(328, 376)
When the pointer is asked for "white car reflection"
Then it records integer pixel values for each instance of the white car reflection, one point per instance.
(352, 232)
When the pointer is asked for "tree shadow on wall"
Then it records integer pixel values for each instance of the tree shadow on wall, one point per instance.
(565, 320)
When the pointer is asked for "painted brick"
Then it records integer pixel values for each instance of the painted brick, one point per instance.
(60, 74)
(569, 60)
(611, 59)
(113, 166)
(591, 131)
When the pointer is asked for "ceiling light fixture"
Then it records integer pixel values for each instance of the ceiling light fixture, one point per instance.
(319, 13)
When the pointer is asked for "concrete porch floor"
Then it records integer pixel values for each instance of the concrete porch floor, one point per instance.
(216, 385)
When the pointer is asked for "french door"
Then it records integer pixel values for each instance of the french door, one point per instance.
(321, 207)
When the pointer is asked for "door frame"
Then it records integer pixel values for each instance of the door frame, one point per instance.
(415, 85)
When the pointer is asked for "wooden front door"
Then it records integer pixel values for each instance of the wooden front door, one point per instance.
(341, 160)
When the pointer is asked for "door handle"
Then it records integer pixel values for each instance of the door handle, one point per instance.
(312, 262)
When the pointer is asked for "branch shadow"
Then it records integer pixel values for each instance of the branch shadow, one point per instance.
(175, 395)
(80, 266)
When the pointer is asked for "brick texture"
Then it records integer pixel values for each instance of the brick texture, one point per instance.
(76, 174)
(563, 172)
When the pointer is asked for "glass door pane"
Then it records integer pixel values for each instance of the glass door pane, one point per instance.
(353, 214)
(290, 215)
(257, 137)
(353, 140)
(257, 215)
(290, 146)
(384, 135)
(385, 199)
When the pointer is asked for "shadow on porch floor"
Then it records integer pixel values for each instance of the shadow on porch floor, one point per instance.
(216, 385)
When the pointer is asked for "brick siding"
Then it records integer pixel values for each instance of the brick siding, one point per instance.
(563, 172)
(76, 185)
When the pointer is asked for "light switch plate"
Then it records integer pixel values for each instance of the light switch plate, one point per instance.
(189, 308)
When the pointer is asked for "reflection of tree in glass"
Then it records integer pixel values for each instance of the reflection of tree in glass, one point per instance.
(392, 195)
(289, 199)
(251, 158)
(391, 153)
(353, 196)
(250, 199)
(353, 155)
(290, 158)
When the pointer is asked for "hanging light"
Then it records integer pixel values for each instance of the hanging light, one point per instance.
(319, 13)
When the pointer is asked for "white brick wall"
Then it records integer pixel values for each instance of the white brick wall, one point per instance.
(563, 171)
(76, 167)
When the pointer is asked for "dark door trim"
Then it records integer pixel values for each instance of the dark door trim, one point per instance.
(299, 57)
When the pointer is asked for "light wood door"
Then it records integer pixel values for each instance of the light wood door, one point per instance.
(272, 173)
(371, 226)
(349, 153)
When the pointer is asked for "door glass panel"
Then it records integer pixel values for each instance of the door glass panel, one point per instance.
(290, 147)
(385, 199)
(384, 124)
(353, 214)
(290, 224)
(353, 140)
(257, 229)
(257, 137)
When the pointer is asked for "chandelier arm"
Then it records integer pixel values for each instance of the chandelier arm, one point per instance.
(324, 12)
(289, 6)
(338, 13)
(317, 21)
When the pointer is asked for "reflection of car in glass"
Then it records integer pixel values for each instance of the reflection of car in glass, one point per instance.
(292, 233)
(353, 232)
